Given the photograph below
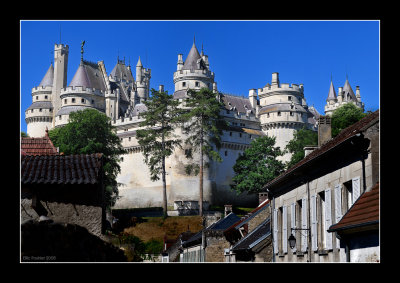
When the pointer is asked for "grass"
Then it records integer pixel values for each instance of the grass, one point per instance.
(156, 227)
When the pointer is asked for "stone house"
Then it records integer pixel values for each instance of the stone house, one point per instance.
(208, 245)
(64, 188)
(316, 192)
(358, 229)
(250, 237)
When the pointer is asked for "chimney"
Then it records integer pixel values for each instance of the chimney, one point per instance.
(228, 209)
(262, 197)
(180, 62)
(324, 130)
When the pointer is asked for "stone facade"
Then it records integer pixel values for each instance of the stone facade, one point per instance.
(216, 244)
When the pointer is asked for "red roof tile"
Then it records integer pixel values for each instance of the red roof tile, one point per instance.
(365, 210)
(60, 169)
(38, 146)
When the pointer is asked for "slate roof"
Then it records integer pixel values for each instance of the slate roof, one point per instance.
(61, 169)
(332, 93)
(344, 135)
(348, 90)
(40, 104)
(121, 71)
(48, 78)
(220, 225)
(363, 212)
(66, 110)
(38, 146)
(256, 236)
(88, 75)
(191, 59)
(282, 107)
(236, 103)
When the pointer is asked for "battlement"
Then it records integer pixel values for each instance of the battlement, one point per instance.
(61, 46)
(283, 87)
(81, 90)
(198, 73)
(123, 122)
(40, 89)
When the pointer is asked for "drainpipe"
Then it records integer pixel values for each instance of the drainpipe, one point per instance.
(309, 222)
(272, 223)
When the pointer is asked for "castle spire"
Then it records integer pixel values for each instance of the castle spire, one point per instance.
(82, 44)
(332, 93)
(139, 63)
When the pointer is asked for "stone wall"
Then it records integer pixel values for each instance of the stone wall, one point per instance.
(259, 218)
(216, 244)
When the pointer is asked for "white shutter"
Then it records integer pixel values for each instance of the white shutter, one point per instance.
(356, 189)
(284, 229)
(338, 208)
(293, 220)
(275, 223)
(314, 222)
(328, 218)
(304, 233)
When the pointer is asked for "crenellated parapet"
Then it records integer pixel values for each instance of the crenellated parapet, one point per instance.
(72, 90)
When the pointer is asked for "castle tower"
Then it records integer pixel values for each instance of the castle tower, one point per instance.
(39, 114)
(283, 111)
(60, 75)
(143, 77)
(345, 95)
(193, 73)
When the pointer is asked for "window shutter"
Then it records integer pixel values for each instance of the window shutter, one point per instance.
(304, 233)
(328, 218)
(338, 208)
(356, 189)
(293, 220)
(314, 222)
(284, 229)
(275, 223)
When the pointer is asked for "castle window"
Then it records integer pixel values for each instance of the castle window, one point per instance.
(184, 84)
(73, 100)
(83, 100)
(291, 113)
(267, 115)
(279, 113)
(92, 101)
(226, 153)
(129, 138)
(45, 97)
(230, 133)
(31, 110)
(40, 109)
(240, 134)
(65, 101)
(197, 84)
(59, 117)
(37, 97)
(289, 98)
(291, 106)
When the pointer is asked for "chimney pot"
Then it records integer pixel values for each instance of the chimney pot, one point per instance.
(324, 130)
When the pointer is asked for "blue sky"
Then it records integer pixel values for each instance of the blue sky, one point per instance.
(242, 54)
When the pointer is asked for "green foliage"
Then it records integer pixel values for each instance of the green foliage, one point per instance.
(301, 138)
(158, 137)
(90, 131)
(345, 116)
(203, 126)
(153, 246)
(257, 166)
(24, 135)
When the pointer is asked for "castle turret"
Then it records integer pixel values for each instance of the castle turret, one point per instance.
(193, 73)
(143, 77)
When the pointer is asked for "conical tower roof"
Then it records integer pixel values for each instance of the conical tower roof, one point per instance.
(332, 93)
(191, 59)
(348, 90)
(48, 78)
(121, 71)
(81, 77)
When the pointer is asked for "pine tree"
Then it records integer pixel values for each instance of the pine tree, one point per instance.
(158, 137)
(203, 128)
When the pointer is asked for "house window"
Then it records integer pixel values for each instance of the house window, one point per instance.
(321, 220)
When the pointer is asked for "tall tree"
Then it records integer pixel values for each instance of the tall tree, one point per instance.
(158, 137)
(301, 138)
(257, 166)
(203, 128)
(346, 115)
(90, 131)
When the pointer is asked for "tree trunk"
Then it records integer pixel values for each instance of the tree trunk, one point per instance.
(164, 204)
(201, 181)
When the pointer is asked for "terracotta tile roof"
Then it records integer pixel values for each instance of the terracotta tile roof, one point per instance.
(344, 135)
(38, 146)
(364, 211)
(60, 169)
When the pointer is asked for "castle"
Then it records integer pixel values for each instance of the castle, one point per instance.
(277, 109)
